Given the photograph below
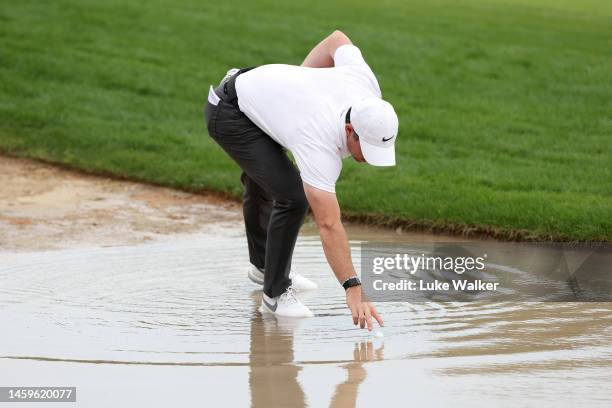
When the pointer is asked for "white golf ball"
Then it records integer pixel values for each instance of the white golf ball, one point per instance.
(379, 334)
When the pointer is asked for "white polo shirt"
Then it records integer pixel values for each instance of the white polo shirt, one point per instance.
(303, 109)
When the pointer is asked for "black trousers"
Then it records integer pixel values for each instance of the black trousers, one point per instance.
(274, 203)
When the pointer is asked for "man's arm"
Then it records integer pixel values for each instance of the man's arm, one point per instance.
(322, 55)
(337, 251)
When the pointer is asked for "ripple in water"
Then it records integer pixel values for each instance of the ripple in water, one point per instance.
(188, 302)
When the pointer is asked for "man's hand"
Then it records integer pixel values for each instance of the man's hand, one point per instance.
(326, 212)
(362, 312)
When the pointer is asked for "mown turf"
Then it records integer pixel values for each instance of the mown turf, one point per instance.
(505, 105)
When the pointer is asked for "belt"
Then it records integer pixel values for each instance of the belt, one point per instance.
(226, 90)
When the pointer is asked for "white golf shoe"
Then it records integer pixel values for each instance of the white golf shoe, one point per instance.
(299, 282)
(285, 305)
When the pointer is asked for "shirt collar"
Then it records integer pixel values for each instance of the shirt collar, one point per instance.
(341, 138)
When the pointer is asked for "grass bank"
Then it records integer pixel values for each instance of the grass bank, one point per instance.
(505, 105)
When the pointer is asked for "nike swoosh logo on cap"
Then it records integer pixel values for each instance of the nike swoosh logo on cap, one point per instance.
(386, 140)
(271, 307)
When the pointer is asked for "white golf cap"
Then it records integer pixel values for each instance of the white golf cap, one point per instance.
(376, 124)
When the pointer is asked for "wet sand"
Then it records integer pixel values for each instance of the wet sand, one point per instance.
(143, 309)
(44, 207)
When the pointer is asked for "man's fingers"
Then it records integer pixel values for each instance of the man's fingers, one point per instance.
(368, 317)
(363, 313)
(362, 316)
(355, 314)
(377, 316)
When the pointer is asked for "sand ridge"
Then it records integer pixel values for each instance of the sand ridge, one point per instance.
(44, 207)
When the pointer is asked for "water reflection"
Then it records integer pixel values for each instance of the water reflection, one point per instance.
(273, 375)
(160, 310)
(345, 394)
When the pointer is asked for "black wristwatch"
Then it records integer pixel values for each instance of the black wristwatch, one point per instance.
(350, 282)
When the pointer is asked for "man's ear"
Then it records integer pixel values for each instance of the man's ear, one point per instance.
(350, 131)
(349, 128)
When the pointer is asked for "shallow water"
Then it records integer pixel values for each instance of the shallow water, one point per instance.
(175, 322)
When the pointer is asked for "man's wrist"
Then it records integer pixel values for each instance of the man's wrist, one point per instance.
(351, 282)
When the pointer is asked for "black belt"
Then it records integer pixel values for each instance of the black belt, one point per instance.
(226, 90)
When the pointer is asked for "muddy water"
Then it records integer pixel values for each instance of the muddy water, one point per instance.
(174, 323)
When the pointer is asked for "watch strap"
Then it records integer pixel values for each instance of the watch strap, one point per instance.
(350, 282)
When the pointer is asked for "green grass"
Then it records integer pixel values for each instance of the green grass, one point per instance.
(505, 105)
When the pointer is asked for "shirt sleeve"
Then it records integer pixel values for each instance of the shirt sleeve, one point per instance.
(318, 167)
(348, 54)
(349, 58)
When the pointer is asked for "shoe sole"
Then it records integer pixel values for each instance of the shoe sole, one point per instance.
(265, 310)
(255, 279)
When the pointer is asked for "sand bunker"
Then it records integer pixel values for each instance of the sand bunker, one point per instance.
(43, 207)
